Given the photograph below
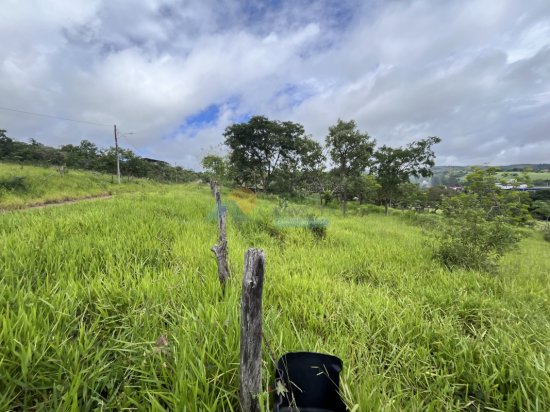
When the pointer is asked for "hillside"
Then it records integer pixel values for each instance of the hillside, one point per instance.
(89, 290)
(454, 175)
(22, 186)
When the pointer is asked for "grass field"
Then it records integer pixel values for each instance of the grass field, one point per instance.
(537, 178)
(87, 289)
(22, 186)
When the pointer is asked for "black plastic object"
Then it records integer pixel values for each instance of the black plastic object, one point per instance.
(308, 382)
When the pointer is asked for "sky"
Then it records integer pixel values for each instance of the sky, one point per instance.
(172, 75)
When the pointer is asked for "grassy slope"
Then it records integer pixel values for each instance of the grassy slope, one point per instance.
(87, 289)
(540, 177)
(46, 185)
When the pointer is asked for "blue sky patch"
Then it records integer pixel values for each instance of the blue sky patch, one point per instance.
(205, 116)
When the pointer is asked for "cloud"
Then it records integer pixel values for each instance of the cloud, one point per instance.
(475, 73)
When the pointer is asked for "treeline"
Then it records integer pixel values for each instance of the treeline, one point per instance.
(278, 157)
(88, 156)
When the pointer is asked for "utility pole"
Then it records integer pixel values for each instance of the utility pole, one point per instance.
(117, 157)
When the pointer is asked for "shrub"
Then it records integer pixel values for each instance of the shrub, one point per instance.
(546, 234)
(482, 223)
(14, 183)
(475, 244)
(318, 227)
(471, 237)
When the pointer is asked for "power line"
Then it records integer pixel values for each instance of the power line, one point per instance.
(130, 144)
(125, 137)
(53, 117)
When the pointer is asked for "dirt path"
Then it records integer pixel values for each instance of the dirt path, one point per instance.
(60, 202)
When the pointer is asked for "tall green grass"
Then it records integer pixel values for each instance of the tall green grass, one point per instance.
(22, 185)
(88, 289)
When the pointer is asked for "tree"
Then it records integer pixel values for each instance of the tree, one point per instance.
(411, 197)
(6, 145)
(215, 167)
(262, 148)
(511, 205)
(395, 166)
(469, 238)
(364, 187)
(83, 156)
(350, 151)
(299, 167)
(542, 208)
(482, 222)
(435, 195)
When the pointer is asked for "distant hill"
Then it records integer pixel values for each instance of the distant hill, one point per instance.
(541, 167)
(454, 175)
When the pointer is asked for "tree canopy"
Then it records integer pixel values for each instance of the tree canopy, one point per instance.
(350, 151)
(263, 151)
(395, 166)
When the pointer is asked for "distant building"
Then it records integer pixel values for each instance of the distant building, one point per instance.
(155, 161)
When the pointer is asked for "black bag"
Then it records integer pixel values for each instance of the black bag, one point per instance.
(309, 382)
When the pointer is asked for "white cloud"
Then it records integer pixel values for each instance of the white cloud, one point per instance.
(476, 73)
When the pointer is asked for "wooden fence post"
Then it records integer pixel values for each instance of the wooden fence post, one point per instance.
(251, 330)
(220, 250)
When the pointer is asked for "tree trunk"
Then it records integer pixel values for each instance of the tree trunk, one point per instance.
(386, 203)
(251, 330)
(345, 196)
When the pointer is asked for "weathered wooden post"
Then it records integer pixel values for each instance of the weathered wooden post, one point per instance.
(220, 250)
(251, 330)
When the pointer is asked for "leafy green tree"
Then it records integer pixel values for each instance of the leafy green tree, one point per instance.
(482, 222)
(350, 151)
(133, 165)
(262, 148)
(410, 196)
(435, 196)
(469, 239)
(542, 208)
(216, 168)
(512, 205)
(365, 188)
(106, 161)
(83, 156)
(6, 145)
(299, 168)
(395, 166)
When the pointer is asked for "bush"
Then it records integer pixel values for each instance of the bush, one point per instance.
(318, 227)
(546, 234)
(14, 183)
(476, 245)
(470, 238)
